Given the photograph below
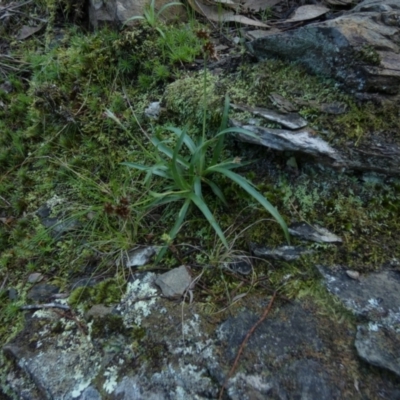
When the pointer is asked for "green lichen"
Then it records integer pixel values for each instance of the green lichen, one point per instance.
(107, 292)
(368, 55)
(185, 97)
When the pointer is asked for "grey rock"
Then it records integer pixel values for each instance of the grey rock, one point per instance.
(313, 233)
(371, 296)
(35, 277)
(90, 393)
(291, 331)
(289, 120)
(174, 283)
(42, 292)
(153, 110)
(357, 48)
(303, 141)
(240, 265)
(140, 257)
(61, 367)
(12, 294)
(308, 380)
(376, 297)
(380, 345)
(7, 87)
(172, 351)
(44, 211)
(286, 253)
(98, 311)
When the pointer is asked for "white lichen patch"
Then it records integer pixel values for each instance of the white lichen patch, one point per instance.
(188, 380)
(79, 388)
(54, 201)
(139, 300)
(45, 314)
(373, 326)
(110, 383)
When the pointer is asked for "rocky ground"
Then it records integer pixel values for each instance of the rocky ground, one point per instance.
(87, 310)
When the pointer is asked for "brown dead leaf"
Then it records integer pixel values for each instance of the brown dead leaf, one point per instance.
(8, 221)
(304, 13)
(216, 14)
(244, 20)
(259, 5)
(27, 31)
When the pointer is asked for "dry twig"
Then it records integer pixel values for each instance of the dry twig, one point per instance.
(245, 340)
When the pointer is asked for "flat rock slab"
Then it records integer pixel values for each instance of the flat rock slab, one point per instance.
(375, 296)
(286, 253)
(372, 295)
(380, 346)
(291, 331)
(288, 120)
(302, 141)
(166, 350)
(313, 233)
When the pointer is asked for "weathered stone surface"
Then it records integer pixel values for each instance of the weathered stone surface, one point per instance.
(140, 256)
(372, 296)
(42, 292)
(376, 297)
(380, 346)
(173, 351)
(286, 253)
(303, 141)
(359, 49)
(313, 233)
(378, 156)
(289, 120)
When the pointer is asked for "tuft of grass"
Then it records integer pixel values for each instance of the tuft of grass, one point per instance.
(185, 173)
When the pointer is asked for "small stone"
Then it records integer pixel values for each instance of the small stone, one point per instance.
(239, 265)
(175, 282)
(35, 277)
(353, 274)
(313, 233)
(42, 292)
(286, 253)
(140, 257)
(12, 294)
(98, 310)
(153, 110)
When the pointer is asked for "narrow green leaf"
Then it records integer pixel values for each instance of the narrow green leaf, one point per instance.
(229, 164)
(187, 139)
(197, 186)
(238, 130)
(210, 218)
(220, 142)
(181, 193)
(166, 200)
(176, 172)
(249, 188)
(175, 229)
(217, 191)
(140, 167)
(165, 6)
(168, 151)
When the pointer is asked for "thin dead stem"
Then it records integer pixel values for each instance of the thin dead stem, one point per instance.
(245, 340)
